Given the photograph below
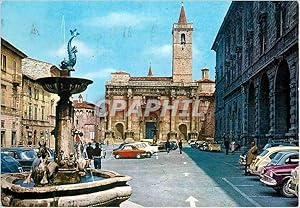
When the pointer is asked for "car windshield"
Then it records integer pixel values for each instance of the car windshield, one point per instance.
(27, 155)
(276, 158)
(264, 153)
(267, 146)
(7, 158)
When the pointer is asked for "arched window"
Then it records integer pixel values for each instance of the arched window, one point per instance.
(182, 38)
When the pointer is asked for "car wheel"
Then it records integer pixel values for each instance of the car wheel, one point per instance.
(148, 154)
(284, 189)
(138, 156)
(117, 156)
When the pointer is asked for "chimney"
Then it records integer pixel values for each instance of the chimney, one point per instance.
(205, 72)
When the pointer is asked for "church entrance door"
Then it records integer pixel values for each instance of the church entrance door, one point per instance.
(150, 129)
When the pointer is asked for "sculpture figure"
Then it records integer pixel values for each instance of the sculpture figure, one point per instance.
(69, 64)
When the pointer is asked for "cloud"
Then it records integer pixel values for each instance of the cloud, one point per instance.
(101, 74)
(160, 51)
(82, 48)
(117, 19)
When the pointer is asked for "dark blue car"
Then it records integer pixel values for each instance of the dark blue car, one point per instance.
(25, 156)
(9, 164)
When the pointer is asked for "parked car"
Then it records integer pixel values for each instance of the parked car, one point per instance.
(278, 143)
(25, 156)
(282, 158)
(129, 151)
(266, 156)
(9, 164)
(293, 184)
(199, 144)
(242, 159)
(162, 145)
(203, 146)
(192, 143)
(214, 146)
(278, 177)
(150, 150)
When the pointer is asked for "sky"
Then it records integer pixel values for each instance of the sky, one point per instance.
(114, 35)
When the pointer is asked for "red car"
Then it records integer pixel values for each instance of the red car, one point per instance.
(128, 151)
(277, 177)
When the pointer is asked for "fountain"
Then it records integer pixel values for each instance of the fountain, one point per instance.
(66, 181)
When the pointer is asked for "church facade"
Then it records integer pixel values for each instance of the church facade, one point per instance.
(159, 108)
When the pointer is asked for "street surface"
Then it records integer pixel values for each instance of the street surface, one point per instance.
(194, 178)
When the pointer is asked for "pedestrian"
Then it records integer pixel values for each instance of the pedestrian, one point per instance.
(251, 156)
(89, 152)
(168, 146)
(97, 156)
(233, 147)
(226, 143)
(180, 146)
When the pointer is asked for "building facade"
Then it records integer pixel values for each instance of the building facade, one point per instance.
(257, 64)
(11, 88)
(38, 105)
(87, 120)
(160, 108)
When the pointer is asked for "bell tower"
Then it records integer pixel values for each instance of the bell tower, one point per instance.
(182, 49)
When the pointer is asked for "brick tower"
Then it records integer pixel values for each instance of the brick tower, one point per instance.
(182, 49)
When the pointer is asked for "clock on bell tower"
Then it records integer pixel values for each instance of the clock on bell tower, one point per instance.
(182, 49)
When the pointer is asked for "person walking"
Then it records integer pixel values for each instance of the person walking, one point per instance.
(180, 146)
(251, 155)
(232, 147)
(168, 145)
(89, 152)
(97, 156)
(226, 143)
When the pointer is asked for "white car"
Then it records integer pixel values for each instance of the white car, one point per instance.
(147, 147)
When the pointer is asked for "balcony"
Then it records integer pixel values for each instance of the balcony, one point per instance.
(16, 79)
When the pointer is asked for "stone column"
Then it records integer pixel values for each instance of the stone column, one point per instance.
(257, 116)
(108, 132)
(272, 104)
(172, 133)
(293, 101)
(64, 143)
(64, 122)
(244, 114)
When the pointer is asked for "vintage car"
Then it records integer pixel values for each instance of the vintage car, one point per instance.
(162, 145)
(192, 143)
(293, 185)
(129, 151)
(203, 146)
(278, 177)
(282, 158)
(266, 156)
(278, 143)
(9, 164)
(25, 156)
(150, 150)
(214, 146)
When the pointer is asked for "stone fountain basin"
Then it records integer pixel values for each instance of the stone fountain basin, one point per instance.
(60, 85)
(110, 191)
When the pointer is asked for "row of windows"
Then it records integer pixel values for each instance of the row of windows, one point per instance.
(33, 111)
(35, 93)
(233, 48)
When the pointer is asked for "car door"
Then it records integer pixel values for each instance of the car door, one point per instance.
(127, 151)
